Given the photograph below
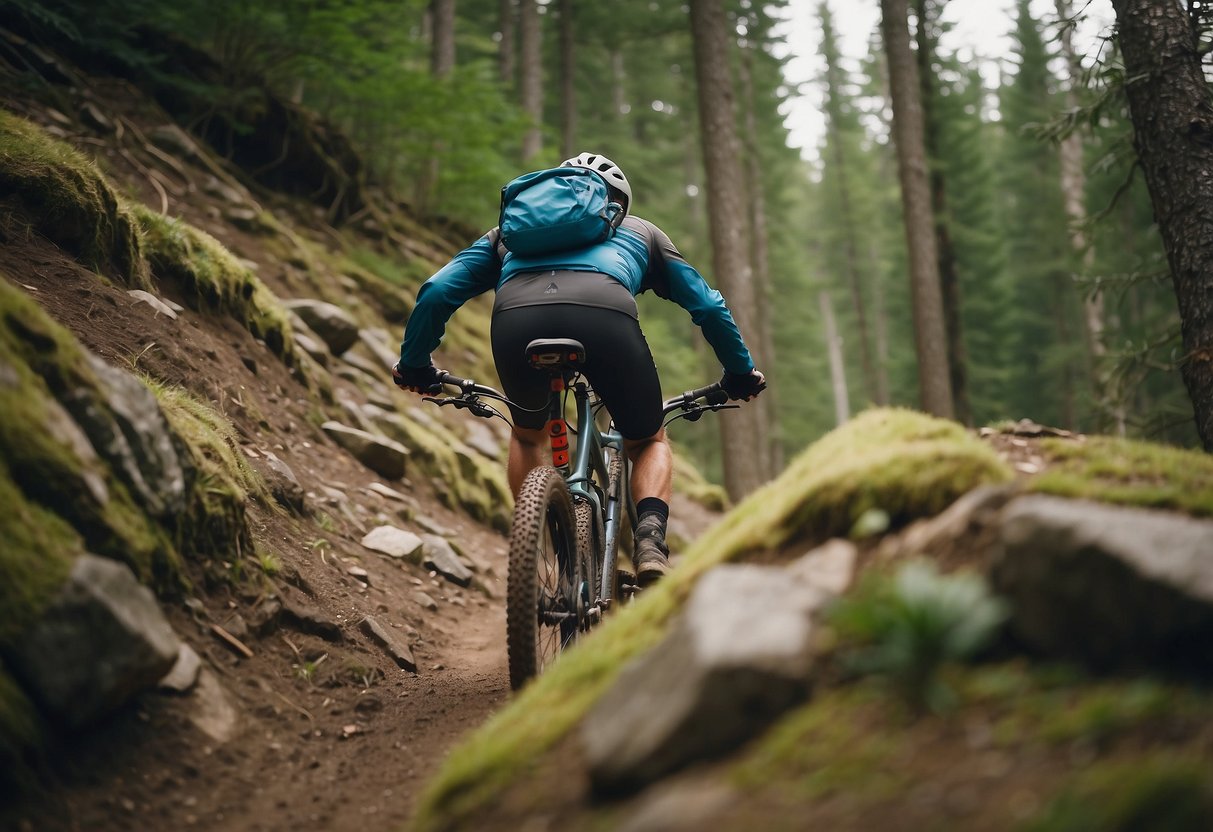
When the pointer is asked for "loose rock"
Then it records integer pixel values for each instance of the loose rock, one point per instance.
(383, 456)
(394, 542)
(331, 323)
(396, 647)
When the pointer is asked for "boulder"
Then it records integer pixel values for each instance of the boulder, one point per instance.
(738, 657)
(394, 542)
(102, 640)
(439, 555)
(1113, 587)
(381, 455)
(126, 426)
(331, 323)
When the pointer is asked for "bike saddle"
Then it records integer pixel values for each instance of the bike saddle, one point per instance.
(555, 354)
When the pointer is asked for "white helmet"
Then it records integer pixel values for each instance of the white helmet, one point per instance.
(608, 169)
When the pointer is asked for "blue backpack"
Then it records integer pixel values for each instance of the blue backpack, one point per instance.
(555, 210)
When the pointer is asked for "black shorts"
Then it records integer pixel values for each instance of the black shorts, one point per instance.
(619, 365)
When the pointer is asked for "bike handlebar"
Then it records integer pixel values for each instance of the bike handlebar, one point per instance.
(467, 385)
(713, 394)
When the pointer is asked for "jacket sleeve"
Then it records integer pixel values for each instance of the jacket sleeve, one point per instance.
(673, 277)
(471, 272)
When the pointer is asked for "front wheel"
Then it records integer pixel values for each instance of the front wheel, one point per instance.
(542, 587)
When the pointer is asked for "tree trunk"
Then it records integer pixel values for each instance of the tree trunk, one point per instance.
(760, 263)
(442, 52)
(740, 434)
(531, 81)
(619, 103)
(841, 169)
(930, 334)
(1074, 186)
(1172, 115)
(506, 21)
(568, 90)
(949, 280)
(838, 373)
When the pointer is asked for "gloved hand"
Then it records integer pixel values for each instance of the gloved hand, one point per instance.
(743, 386)
(423, 380)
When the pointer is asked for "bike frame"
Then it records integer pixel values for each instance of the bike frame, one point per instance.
(589, 458)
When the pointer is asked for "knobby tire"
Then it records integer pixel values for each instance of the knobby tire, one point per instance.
(543, 575)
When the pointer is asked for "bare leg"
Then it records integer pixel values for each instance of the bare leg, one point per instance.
(528, 449)
(652, 466)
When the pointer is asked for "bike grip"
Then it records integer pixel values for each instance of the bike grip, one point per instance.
(455, 381)
(703, 392)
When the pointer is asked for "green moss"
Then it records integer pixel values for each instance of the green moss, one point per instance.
(46, 455)
(847, 740)
(1128, 472)
(1163, 791)
(909, 464)
(52, 190)
(37, 555)
(215, 279)
(224, 481)
(474, 483)
(21, 736)
(1058, 706)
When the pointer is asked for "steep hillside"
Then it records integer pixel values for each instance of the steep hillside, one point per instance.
(162, 407)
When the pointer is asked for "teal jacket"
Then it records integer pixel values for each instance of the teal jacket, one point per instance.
(639, 255)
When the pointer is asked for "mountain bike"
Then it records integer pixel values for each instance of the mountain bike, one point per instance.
(570, 518)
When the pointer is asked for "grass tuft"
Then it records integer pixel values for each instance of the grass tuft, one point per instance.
(51, 190)
(214, 279)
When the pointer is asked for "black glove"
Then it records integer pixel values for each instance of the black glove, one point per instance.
(422, 380)
(743, 386)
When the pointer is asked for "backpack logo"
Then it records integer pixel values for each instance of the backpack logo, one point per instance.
(558, 209)
(551, 289)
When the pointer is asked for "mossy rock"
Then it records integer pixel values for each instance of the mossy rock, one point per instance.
(1128, 472)
(214, 522)
(46, 456)
(905, 463)
(52, 190)
(212, 278)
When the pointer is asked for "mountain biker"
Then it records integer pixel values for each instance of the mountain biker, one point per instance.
(587, 294)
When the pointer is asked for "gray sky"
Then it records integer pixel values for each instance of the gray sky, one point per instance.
(982, 28)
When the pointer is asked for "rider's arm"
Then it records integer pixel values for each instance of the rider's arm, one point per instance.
(471, 272)
(675, 278)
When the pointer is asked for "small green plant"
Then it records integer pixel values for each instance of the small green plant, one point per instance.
(907, 626)
(270, 563)
(325, 521)
(306, 670)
